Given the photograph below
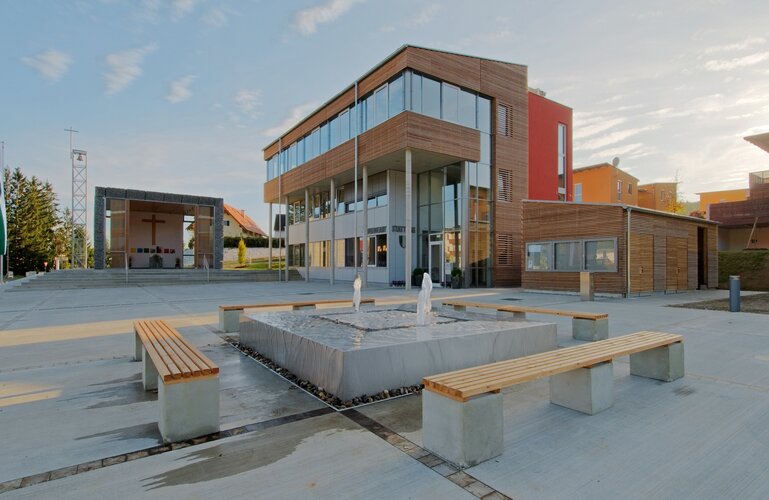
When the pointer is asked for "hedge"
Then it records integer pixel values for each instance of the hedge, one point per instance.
(752, 266)
(251, 242)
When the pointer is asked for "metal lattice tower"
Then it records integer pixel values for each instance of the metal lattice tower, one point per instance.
(79, 208)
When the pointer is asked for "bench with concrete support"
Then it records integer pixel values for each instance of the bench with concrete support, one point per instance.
(584, 325)
(229, 316)
(462, 410)
(186, 380)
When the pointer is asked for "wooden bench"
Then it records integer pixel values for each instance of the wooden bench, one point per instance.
(186, 380)
(229, 316)
(462, 410)
(584, 325)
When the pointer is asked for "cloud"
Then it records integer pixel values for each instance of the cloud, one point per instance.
(180, 8)
(296, 114)
(125, 67)
(600, 126)
(738, 62)
(179, 90)
(216, 17)
(424, 16)
(617, 151)
(306, 21)
(247, 100)
(747, 43)
(613, 138)
(148, 10)
(51, 64)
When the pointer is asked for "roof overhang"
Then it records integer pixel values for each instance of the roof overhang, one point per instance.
(760, 140)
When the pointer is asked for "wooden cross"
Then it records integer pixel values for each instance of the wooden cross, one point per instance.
(154, 222)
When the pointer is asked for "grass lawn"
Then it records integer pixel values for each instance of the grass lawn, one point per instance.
(256, 264)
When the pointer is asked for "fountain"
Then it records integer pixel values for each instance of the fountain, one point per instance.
(356, 293)
(351, 352)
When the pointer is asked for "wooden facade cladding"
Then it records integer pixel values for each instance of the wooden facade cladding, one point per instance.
(406, 130)
(664, 252)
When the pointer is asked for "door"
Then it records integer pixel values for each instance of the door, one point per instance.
(436, 262)
(677, 268)
(702, 258)
(641, 263)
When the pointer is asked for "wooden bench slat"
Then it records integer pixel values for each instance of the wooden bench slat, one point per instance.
(174, 358)
(237, 307)
(527, 309)
(463, 384)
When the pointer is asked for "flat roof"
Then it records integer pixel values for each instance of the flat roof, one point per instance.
(630, 207)
(760, 140)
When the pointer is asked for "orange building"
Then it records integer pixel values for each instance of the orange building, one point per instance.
(712, 197)
(658, 196)
(604, 183)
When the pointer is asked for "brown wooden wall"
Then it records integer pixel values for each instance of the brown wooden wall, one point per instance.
(663, 249)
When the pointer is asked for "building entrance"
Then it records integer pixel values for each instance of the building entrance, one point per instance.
(435, 263)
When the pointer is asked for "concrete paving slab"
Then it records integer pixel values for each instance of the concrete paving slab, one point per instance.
(323, 457)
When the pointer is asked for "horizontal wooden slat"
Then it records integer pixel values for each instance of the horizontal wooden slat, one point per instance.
(469, 382)
(308, 303)
(174, 358)
(525, 309)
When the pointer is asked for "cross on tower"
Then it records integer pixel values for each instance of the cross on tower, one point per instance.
(154, 222)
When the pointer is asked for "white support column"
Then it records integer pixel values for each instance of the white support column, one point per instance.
(269, 238)
(306, 234)
(332, 248)
(409, 204)
(464, 234)
(285, 239)
(364, 264)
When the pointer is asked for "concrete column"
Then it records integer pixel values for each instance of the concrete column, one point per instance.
(285, 239)
(149, 372)
(511, 316)
(589, 329)
(364, 264)
(465, 434)
(464, 234)
(587, 390)
(269, 237)
(188, 409)
(332, 249)
(138, 347)
(409, 223)
(306, 234)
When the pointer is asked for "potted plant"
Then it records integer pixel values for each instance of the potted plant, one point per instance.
(456, 278)
(416, 277)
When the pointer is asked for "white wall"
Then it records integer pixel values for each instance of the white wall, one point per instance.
(737, 239)
(169, 238)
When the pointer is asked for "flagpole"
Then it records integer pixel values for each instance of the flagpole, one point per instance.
(4, 248)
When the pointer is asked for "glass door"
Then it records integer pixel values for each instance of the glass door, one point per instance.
(436, 262)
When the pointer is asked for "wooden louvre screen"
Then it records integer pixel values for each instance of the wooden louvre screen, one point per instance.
(504, 120)
(504, 185)
(504, 249)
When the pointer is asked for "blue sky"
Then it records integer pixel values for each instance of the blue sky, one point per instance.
(182, 95)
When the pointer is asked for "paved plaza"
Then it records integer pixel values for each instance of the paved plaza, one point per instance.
(76, 422)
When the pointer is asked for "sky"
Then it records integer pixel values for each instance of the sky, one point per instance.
(182, 95)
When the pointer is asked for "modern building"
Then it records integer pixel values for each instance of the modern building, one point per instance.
(660, 196)
(745, 223)
(239, 225)
(604, 183)
(144, 229)
(421, 163)
(666, 252)
(709, 198)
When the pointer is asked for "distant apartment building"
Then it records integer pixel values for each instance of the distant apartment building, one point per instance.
(709, 198)
(660, 196)
(604, 183)
(421, 163)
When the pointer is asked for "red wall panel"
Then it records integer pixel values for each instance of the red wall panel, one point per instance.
(544, 117)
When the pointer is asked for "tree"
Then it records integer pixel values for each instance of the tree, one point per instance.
(32, 221)
(241, 252)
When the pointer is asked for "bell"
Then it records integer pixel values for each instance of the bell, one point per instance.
(80, 157)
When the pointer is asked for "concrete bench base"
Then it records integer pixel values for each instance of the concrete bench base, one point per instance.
(188, 409)
(229, 321)
(465, 434)
(511, 316)
(590, 329)
(587, 390)
(663, 363)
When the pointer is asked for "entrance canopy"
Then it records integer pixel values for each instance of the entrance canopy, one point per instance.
(145, 229)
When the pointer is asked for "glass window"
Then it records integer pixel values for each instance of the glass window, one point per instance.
(371, 251)
(334, 132)
(380, 104)
(314, 143)
(381, 250)
(363, 112)
(300, 151)
(629, 188)
(292, 156)
(416, 93)
(484, 114)
(568, 256)
(339, 253)
(538, 256)
(486, 149)
(344, 126)
(369, 112)
(450, 101)
(324, 138)
(395, 90)
(381, 200)
(431, 97)
(467, 113)
(619, 190)
(484, 177)
(578, 192)
(600, 255)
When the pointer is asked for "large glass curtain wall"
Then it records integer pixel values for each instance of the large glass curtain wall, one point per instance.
(407, 90)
